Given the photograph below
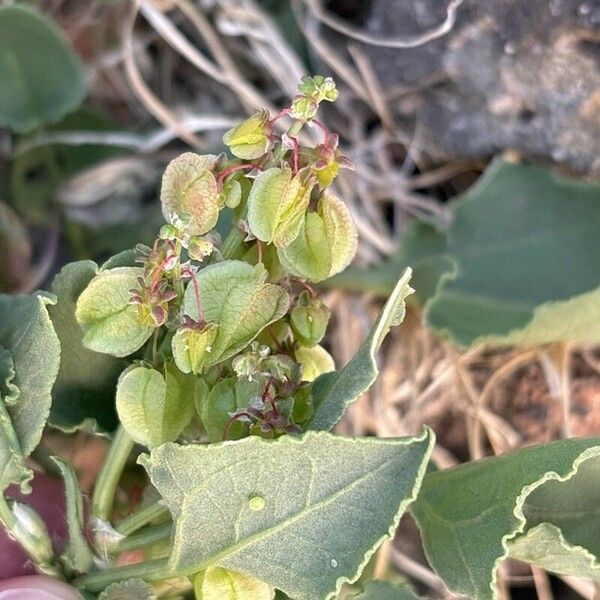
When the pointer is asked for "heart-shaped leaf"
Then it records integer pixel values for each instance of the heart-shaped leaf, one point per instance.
(236, 298)
(110, 323)
(189, 193)
(296, 512)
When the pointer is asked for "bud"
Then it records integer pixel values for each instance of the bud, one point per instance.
(309, 320)
(31, 532)
(250, 363)
(250, 139)
(191, 347)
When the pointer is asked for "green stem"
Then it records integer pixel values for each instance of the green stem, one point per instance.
(146, 537)
(108, 479)
(142, 517)
(151, 570)
(43, 457)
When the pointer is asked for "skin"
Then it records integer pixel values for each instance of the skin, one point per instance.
(48, 499)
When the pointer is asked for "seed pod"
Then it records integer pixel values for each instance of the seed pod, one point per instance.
(309, 319)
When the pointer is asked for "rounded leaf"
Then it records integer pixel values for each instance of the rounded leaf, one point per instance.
(153, 408)
(191, 348)
(110, 324)
(309, 255)
(309, 319)
(189, 193)
(340, 230)
(222, 584)
(41, 78)
(250, 139)
(276, 205)
(314, 361)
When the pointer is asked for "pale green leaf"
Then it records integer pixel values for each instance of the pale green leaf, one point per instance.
(340, 231)
(276, 206)
(314, 361)
(562, 530)
(189, 193)
(41, 78)
(131, 589)
(297, 513)
(522, 239)
(77, 556)
(385, 590)
(27, 333)
(85, 388)
(236, 298)
(154, 407)
(222, 584)
(191, 348)
(111, 324)
(249, 139)
(468, 515)
(334, 392)
(309, 255)
(12, 462)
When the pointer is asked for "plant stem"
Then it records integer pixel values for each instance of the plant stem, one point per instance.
(142, 517)
(108, 478)
(146, 537)
(151, 570)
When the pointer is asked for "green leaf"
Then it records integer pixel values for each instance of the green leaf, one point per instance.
(41, 79)
(27, 333)
(385, 590)
(131, 589)
(191, 348)
(250, 139)
(296, 512)
(85, 388)
(226, 397)
(154, 408)
(236, 298)
(469, 515)
(77, 556)
(314, 361)
(309, 255)
(522, 239)
(189, 193)
(110, 323)
(12, 461)
(334, 392)
(325, 244)
(222, 584)
(276, 205)
(562, 531)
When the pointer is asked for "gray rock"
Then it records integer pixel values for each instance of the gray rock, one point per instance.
(512, 74)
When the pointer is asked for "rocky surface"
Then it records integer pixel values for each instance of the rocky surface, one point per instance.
(511, 74)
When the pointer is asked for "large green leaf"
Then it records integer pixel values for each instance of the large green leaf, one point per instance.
(222, 584)
(28, 367)
(526, 245)
(469, 516)
(563, 521)
(303, 514)
(41, 79)
(334, 392)
(236, 297)
(85, 387)
(517, 264)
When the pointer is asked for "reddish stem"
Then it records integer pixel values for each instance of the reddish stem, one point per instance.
(221, 176)
(322, 127)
